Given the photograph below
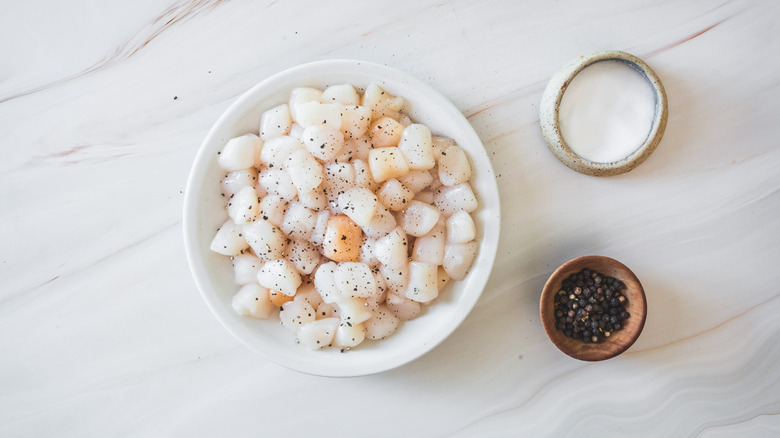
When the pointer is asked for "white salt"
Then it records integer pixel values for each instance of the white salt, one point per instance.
(607, 111)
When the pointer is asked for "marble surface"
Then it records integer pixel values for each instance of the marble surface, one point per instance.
(103, 333)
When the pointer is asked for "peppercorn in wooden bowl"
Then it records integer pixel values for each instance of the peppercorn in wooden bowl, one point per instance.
(593, 308)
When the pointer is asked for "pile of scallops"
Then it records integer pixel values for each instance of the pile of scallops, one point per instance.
(344, 215)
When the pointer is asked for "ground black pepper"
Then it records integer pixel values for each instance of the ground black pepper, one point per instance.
(590, 306)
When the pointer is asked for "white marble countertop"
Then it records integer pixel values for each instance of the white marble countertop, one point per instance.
(103, 333)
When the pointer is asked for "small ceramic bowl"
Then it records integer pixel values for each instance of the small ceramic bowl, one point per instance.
(620, 340)
(551, 128)
(204, 212)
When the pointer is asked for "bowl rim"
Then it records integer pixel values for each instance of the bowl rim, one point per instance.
(244, 103)
(556, 337)
(551, 128)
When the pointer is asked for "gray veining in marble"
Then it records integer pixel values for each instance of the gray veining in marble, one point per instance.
(103, 333)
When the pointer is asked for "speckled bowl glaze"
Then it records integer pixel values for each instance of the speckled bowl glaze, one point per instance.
(551, 128)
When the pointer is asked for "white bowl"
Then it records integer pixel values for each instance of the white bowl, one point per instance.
(204, 213)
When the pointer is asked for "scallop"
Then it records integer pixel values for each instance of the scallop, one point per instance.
(325, 282)
(275, 122)
(296, 131)
(417, 180)
(344, 94)
(279, 275)
(460, 228)
(458, 197)
(318, 334)
(307, 292)
(363, 176)
(257, 162)
(342, 239)
(277, 298)
(381, 102)
(303, 255)
(339, 177)
(454, 167)
(315, 199)
(277, 182)
(252, 300)
(382, 223)
(367, 254)
(355, 121)
(299, 222)
(396, 278)
(402, 307)
(422, 282)
(458, 258)
(381, 288)
(302, 95)
(394, 195)
(229, 239)
(391, 250)
(245, 268)
(442, 278)
(355, 280)
(295, 314)
(354, 149)
(416, 146)
(328, 310)
(349, 335)
(439, 144)
(319, 114)
(419, 218)
(430, 247)
(272, 208)
(354, 310)
(305, 171)
(387, 163)
(382, 323)
(320, 227)
(276, 150)
(323, 142)
(267, 241)
(385, 132)
(239, 152)
(242, 207)
(359, 204)
(238, 179)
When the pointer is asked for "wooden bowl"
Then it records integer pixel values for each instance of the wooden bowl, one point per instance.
(620, 340)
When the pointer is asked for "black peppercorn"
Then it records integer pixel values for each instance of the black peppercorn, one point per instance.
(589, 306)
